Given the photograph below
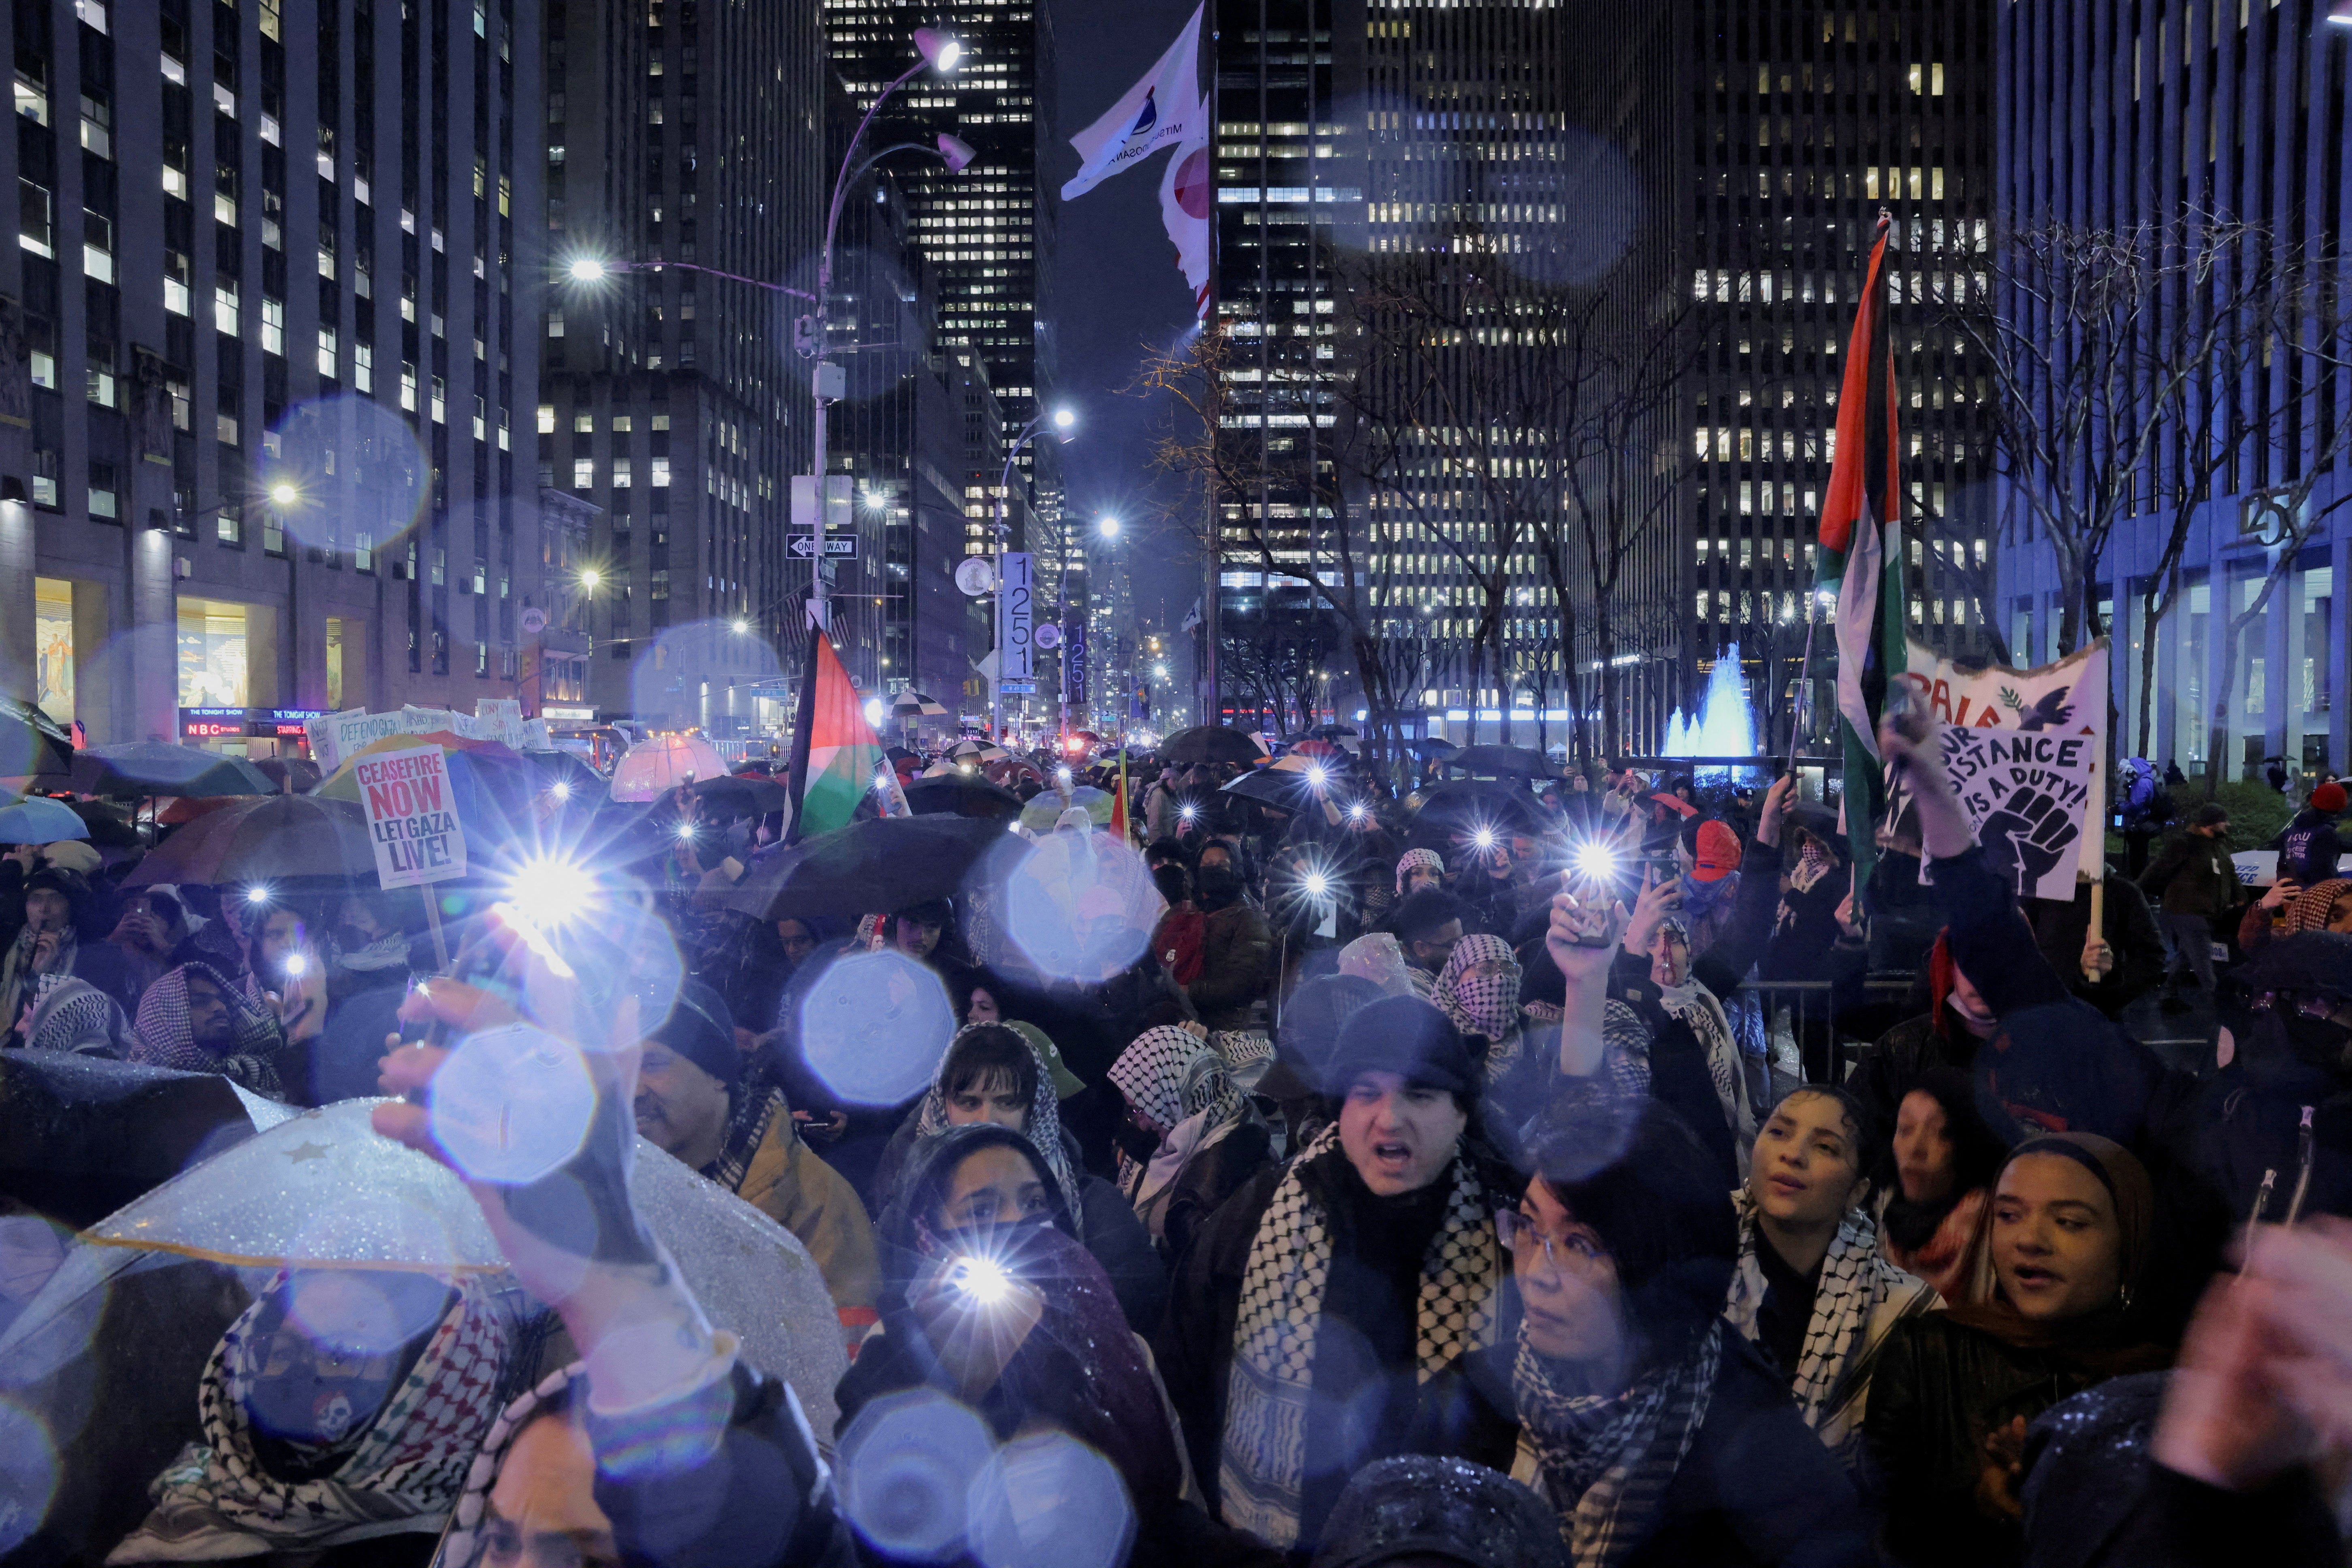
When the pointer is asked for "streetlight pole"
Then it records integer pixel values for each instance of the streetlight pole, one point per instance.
(1063, 420)
(826, 382)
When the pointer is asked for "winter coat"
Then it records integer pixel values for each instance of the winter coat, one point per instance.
(1756, 1488)
(1210, 1177)
(2193, 876)
(1941, 1387)
(2309, 847)
(2061, 927)
(1236, 946)
(2246, 1119)
(788, 1182)
(2096, 1499)
(1465, 1411)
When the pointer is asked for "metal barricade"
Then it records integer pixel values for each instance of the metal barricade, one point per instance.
(1799, 1023)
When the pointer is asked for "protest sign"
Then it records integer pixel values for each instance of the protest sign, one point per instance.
(358, 728)
(412, 817)
(2256, 867)
(326, 749)
(2026, 750)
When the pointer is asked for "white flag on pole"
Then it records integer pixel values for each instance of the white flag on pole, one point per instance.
(1186, 200)
(1166, 109)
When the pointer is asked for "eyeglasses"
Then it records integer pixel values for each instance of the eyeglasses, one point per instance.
(1520, 1236)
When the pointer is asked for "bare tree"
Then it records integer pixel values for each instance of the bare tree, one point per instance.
(2091, 338)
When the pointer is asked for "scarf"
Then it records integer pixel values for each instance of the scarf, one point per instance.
(1488, 1007)
(552, 1392)
(1044, 1132)
(1607, 1460)
(162, 1038)
(1847, 1329)
(1175, 1077)
(1692, 1004)
(1813, 863)
(19, 978)
(1412, 859)
(401, 1472)
(1270, 1401)
(2311, 907)
(78, 1018)
(756, 1108)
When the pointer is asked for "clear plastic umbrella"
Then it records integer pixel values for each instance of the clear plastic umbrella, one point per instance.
(323, 1189)
(652, 767)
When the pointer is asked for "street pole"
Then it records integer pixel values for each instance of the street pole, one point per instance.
(826, 382)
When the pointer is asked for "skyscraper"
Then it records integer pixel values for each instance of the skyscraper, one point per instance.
(2171, 124)
(684, 143)
(259, 432)
(1804, 124)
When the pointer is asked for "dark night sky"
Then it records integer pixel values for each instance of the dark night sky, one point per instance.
(1116, 288)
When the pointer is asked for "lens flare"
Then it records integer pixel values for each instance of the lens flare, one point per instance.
(256, 894)
(511, 1104)
(1047, 1498)
(684, 830)
(1317, 884)
(561, 790)
(1484, 837)
(1596, 862)
(874, 1027)
(297, 965)
(548, 891)
(1357, 811)
(907, 1467)
(983, 1280)
(1315, 776)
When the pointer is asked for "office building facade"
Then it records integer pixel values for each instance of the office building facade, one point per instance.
(2181, 116)
(264, 446)
(683, 142)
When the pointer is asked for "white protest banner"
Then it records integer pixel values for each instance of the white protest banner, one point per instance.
(415, 720)
(326, 750)
(500, 718)
(2256, 867)
(2026, 749)
(412, 817)
(535, 737)
(357, 729)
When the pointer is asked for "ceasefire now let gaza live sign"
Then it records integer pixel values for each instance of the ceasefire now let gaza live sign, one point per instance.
(412, 817)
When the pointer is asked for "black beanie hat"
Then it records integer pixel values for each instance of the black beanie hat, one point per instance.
(702, 1029)
(1407, 1036)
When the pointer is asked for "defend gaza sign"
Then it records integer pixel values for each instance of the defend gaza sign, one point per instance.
(412, 817)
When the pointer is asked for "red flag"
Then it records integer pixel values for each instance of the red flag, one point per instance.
(1866, 445)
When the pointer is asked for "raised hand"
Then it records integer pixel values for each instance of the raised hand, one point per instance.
(1658, 900)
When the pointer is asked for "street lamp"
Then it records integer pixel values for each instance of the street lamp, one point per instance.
(941, 53)
(1065, 422)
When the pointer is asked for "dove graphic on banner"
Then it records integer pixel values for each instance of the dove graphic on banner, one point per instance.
(1166, 109)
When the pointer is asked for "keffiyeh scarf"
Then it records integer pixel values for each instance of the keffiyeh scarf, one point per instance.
(1261, 1471)
(403, 1473)
(1173, 1076)
(1044, 1132)
(19, 978)
(1860, 1299)
(1813, 863)
(1692, 1004)
(1487, 1005)
(162, 1038)
(756, 1108)
(77, 1018)
(552, 1393)
(1412, 859)
(1606, 1462)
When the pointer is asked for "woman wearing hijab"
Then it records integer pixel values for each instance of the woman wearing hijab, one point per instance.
(1656, 1433)
(197, 1019)
(990, 1072)
(1325, 1316)
(2067, 1231)
(1479, 992)
(1814, 1291)
(1944, 1158)
(1191, 1138)
(317, 1432)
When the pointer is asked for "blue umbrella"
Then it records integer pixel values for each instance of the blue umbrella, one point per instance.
(36, 819)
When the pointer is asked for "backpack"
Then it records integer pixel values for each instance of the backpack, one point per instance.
(1177, 942)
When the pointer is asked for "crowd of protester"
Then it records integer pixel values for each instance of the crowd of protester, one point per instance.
(1420, 1196)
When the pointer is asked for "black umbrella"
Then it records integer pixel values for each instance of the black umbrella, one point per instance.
(1432, 747)
(1284, 791)
(1211, 744)
(1452, 814)
(868, 867)
(81, 1136)
(284, 836)
(32, 744)
(742, 794)
(1508, 761)
(136, 768)
(962, 795)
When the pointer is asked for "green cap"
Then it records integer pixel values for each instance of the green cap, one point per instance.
(1065, 1082)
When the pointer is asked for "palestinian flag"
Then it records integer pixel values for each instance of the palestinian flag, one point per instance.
(836, 759)
(1861, 553)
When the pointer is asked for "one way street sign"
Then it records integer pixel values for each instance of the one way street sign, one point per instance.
(806, 545)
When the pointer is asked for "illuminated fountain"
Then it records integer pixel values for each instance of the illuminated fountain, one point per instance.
(1723, 726)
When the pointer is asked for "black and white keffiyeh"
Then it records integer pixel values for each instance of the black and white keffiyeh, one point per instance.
(1695, 1006)
(77, 1018)
(1604, 1461)
(1262, 1470)
(164, 1036)
(1859, 1300)
(1484, 1005)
